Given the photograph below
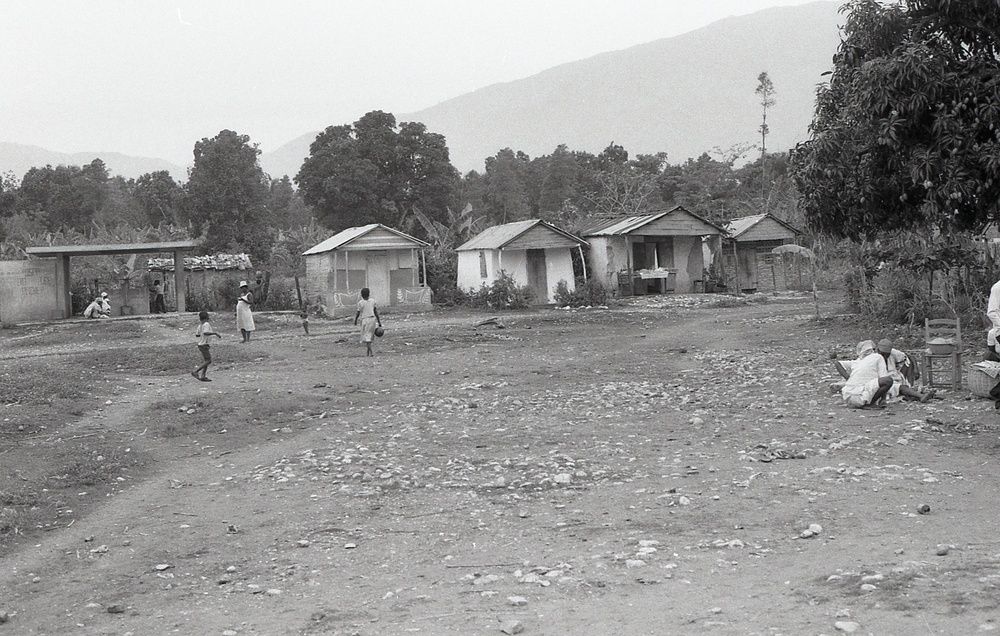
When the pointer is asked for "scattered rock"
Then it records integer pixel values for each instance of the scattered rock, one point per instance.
(116, 609)
(162, 566)
(517, 601)
(512, 627)
(923, 509)
(942, 550)
(848, 627)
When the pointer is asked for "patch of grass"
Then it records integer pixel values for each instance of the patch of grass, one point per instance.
(171, 418)
(94, 465)
(40, 382)
(161, 360)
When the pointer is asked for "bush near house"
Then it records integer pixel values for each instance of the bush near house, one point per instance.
(503, 293)
(588, 293)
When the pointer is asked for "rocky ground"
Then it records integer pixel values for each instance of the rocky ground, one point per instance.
(672, 465)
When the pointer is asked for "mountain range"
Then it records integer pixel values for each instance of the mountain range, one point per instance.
(683, 95)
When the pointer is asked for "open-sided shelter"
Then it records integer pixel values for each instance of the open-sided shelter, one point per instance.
(39, 289)
(747, 261)
(533, 253)
(659, 252)
(388, 262)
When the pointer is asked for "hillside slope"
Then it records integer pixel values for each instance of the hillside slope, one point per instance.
(683, 95)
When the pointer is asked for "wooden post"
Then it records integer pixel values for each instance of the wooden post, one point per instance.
(423, 267)
(180, 282)
(736, 262)
(583, 261)
(66, 302)
(298, 291)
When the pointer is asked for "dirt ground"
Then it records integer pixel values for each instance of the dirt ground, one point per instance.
(644, 469)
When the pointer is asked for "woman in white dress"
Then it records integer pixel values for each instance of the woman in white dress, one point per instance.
(244, 311)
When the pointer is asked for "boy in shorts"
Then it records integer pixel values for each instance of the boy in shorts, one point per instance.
(202, 334)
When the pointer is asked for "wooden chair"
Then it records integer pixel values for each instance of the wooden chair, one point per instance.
(950, 329)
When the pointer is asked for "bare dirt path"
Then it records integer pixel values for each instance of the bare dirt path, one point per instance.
(642, 470)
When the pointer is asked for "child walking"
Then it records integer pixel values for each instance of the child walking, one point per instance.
(368, 313)
(202, 334)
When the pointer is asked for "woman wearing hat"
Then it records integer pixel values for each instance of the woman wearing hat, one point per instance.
(244, 311)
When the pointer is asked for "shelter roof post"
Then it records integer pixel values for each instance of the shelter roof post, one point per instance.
(65, 302)
(180, 281)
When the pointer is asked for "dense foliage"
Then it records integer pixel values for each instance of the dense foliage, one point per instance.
(373, 173)
(588, 293)
(907, 130)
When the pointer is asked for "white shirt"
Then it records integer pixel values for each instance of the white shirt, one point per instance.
(871, 367)
(993, 307)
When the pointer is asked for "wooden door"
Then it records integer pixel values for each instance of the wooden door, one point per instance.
(377, 264)
(537, 279)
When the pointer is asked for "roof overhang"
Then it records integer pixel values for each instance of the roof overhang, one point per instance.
(106, 250)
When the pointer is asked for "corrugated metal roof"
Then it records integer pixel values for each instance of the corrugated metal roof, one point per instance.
(741, 225)
(498, 236)
(627, 225)
(735, 227)
(342, 238)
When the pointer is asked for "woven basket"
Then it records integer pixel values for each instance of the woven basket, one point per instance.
(980, 383)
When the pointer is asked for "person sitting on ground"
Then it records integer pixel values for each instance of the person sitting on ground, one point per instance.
(864, 348)
(100, 308)
(902, 370)
(869, 382)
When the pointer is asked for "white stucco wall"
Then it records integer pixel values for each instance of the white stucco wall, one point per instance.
(469, 272)
(558, 266)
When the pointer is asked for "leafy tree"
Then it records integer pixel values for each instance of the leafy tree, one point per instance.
(159, 198)
(907, 130)
(372, 173)
(506, 193)
(289, 210)
(227, 193)
(64, 196)
(705, 186)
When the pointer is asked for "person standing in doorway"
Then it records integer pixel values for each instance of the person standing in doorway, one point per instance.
(244, 312)
(368, 313)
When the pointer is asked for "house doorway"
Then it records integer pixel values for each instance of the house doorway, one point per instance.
(537, 280)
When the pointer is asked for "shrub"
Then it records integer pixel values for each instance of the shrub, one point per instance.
(587, 294)
(504, 293)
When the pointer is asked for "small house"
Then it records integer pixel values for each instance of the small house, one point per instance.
(747, 261)
(666, 251)
(533, 253)
(388, 262)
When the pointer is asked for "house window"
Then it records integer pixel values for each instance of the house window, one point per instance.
(482, 264)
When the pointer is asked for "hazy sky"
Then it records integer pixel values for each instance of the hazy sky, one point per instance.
(150, 78)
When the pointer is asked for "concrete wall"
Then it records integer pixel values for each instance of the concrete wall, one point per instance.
(29, 291)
